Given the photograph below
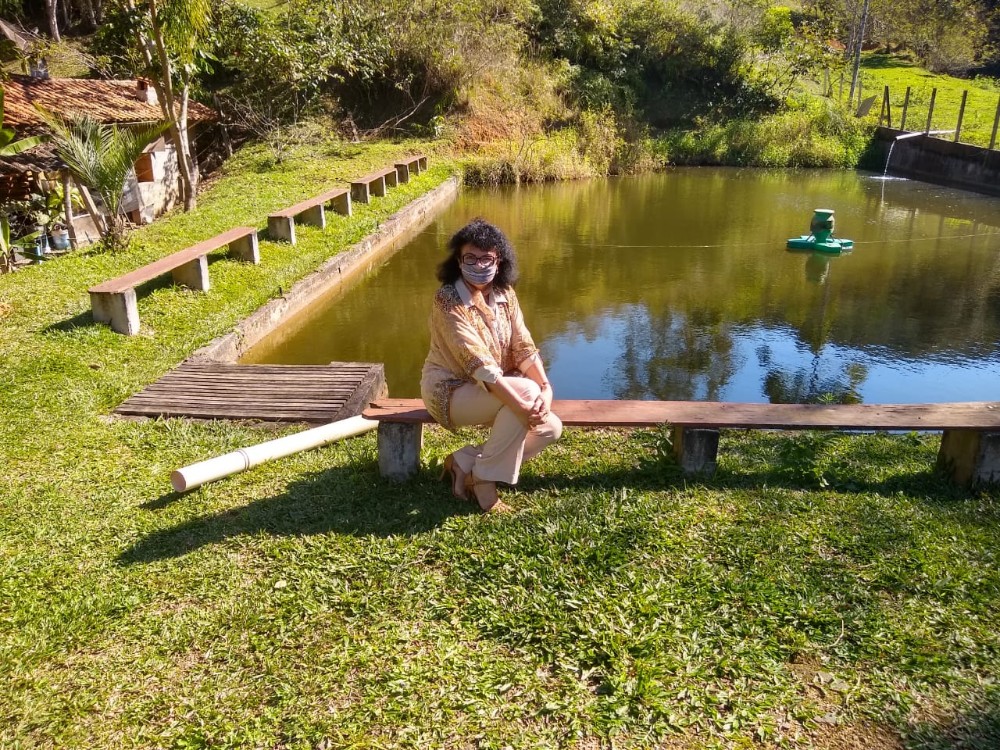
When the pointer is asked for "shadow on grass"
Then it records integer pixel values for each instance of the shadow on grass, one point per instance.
(355, 500)
(882, 62)
(352, 500)
(975, 729)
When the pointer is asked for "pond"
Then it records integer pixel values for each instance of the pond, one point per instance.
(678, 286)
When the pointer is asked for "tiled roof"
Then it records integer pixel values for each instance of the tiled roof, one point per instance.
(106, 101)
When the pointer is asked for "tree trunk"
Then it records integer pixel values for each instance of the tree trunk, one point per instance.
(857, 50)
(51, 14)
(87, 13)
(65, 12)
(175, 113)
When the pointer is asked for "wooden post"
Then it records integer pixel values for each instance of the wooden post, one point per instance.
(930, 111)
(961, 115)
(67, 187)
(88, 202)
(996, 122)
(906, 107)
(886, 111)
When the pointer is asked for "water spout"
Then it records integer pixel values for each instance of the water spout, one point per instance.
(903, 136)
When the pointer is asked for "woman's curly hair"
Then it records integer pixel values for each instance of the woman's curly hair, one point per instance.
(485, 236)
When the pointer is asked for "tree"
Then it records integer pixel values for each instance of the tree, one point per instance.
(169, 35)
(101, 157)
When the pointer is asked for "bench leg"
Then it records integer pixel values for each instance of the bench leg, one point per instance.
(193, 275)
(970, 458)
(315, 216)
(421, 164)
(402, 173)
(281, 228)
(399, 449)
(391, 179)
(378, 187)
(360, 192)
(342, 204)
(696, 450)
(120, 310)
(246, 249)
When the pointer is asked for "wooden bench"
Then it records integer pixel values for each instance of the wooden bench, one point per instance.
(970, 444)
(415, 164)
(114, 301)
(375, 183)
(281, 224)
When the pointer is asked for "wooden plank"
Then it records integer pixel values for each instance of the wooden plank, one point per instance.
(316, 200)
(170, 262)
(971, 415)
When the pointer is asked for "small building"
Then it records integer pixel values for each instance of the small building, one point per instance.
(152, 190)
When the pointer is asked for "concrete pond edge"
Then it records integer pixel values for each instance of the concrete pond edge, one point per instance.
(359, 258)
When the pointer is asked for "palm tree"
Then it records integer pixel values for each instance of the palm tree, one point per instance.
(10, 147)
(101, 157)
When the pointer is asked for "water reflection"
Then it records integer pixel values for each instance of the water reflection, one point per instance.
(677, 286)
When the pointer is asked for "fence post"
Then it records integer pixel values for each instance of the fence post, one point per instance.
(930, 112)
(996, 122)
(961, 115)
(906, 107)
(886, 109)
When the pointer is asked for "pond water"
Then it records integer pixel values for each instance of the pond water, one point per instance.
(678, 286)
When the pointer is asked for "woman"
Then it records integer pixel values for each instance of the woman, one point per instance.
(483, 367)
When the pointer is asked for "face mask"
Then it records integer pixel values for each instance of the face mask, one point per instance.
(478, 276)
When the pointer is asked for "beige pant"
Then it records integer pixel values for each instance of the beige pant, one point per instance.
(510, 443)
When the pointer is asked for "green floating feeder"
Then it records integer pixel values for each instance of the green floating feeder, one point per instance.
(822, 238)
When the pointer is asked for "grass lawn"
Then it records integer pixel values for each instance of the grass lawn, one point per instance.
(820, 591)
(897, 73)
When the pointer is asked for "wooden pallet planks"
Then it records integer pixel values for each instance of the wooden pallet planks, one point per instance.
(273, 393)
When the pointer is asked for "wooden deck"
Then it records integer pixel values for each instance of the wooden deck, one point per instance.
(270, 393)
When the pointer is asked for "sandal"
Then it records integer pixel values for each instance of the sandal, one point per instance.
(497, 505)
(459, 487)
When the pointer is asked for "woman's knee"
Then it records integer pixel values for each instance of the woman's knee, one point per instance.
(553, 427)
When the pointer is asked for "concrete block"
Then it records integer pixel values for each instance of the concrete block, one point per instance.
(970, 458)
(194, 274)
(119, 309)
(399, 449)
(281, 228)
(246, 249)
(696, 450)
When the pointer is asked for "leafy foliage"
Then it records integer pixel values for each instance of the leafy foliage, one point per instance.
(102, 157)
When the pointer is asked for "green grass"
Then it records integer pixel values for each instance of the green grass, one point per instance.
(819, 590)
(897, 73)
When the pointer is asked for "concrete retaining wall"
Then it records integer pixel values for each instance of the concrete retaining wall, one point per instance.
(940, 161)
(343, 267)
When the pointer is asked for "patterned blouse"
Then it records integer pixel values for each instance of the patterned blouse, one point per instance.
(471, 343)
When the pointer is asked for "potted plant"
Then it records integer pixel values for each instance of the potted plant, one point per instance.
(60, 235)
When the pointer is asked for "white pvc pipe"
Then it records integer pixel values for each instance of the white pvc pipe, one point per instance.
(203, 472)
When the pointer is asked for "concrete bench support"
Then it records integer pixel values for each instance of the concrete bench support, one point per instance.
(399, 447)
(246, 249)
(281, 224)
(281, 228)
(970, 458)
(696, 450)
(193, 275)
(341, 204)
(118, 309)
